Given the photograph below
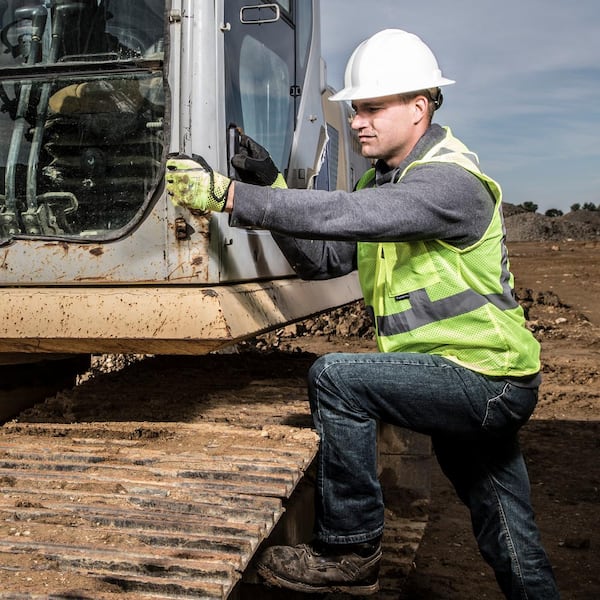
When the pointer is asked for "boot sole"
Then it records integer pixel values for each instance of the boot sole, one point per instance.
(278, 581)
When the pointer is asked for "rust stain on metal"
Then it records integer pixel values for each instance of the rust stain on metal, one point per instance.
(97, 251)
(64, 246)
(181, 228)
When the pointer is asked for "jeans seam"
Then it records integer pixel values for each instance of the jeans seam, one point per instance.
(321, 480)
(386, 362)
(489, 402)
(510, 542)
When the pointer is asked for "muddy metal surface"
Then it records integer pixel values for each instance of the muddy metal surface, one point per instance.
(180, 510)
(161, 479)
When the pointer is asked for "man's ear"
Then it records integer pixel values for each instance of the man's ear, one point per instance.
(420, 109)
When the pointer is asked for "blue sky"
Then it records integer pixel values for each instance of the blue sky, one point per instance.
(527, 91)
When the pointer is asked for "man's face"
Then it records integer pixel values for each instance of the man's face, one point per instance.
(386, 127)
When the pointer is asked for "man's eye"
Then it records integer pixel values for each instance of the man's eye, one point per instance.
(366, 110)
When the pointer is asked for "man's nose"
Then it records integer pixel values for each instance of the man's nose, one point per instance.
(356, 121)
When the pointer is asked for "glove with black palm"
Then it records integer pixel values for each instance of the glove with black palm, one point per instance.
(255, 165)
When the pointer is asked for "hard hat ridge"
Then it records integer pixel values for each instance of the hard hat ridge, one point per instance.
(392, 61)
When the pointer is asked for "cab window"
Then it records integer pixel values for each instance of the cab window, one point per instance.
(82, 104)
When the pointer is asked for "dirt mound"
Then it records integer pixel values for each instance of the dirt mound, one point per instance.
(524, 226)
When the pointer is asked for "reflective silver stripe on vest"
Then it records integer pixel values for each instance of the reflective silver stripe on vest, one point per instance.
(468, 155)
(425, 312)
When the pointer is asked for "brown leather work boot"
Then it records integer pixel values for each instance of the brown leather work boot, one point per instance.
(316, 568)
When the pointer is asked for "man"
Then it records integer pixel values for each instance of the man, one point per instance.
(455, 361)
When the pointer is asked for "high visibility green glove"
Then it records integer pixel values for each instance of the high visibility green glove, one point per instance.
(255, 165)
(193, 184)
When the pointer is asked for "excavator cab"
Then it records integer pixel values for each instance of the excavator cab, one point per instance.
(82, 106)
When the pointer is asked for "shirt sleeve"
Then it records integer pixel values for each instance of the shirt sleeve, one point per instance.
(318, 259)
(432, 201)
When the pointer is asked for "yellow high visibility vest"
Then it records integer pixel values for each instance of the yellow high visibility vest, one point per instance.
(432, 297)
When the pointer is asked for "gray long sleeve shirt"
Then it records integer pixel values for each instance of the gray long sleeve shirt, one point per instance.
(318, 230)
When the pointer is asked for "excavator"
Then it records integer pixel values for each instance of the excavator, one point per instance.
(96, 260)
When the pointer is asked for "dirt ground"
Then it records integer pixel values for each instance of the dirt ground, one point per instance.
(559, 284)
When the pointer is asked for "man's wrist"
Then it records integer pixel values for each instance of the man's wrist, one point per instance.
(230, 195)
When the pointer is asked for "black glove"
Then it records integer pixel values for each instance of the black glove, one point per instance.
(254, 164)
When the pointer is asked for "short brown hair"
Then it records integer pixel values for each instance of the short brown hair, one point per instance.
(433, 95)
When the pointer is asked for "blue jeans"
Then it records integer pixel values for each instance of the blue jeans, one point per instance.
(473, 421)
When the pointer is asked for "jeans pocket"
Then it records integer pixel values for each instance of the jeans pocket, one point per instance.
(510, 409)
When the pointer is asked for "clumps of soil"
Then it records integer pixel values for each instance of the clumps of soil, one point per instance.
(107, 363)
(525, 226)
(349, 321)
(548, 317)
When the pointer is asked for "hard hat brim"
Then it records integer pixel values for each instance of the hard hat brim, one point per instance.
(363, 92)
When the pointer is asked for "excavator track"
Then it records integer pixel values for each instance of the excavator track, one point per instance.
(163, 479)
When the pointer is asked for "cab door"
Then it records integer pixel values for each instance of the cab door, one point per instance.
(260, 99)
(260, 77)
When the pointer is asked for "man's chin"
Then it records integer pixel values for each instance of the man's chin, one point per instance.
(368, 152)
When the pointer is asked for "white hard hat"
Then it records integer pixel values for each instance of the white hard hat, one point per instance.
(390, 62)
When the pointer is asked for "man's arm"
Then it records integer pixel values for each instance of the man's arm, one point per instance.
(318, 259)
(433, 201)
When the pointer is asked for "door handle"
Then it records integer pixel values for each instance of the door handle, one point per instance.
(251, 15)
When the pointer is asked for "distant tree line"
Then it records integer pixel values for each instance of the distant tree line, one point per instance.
(585, 206)
(556, 212)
